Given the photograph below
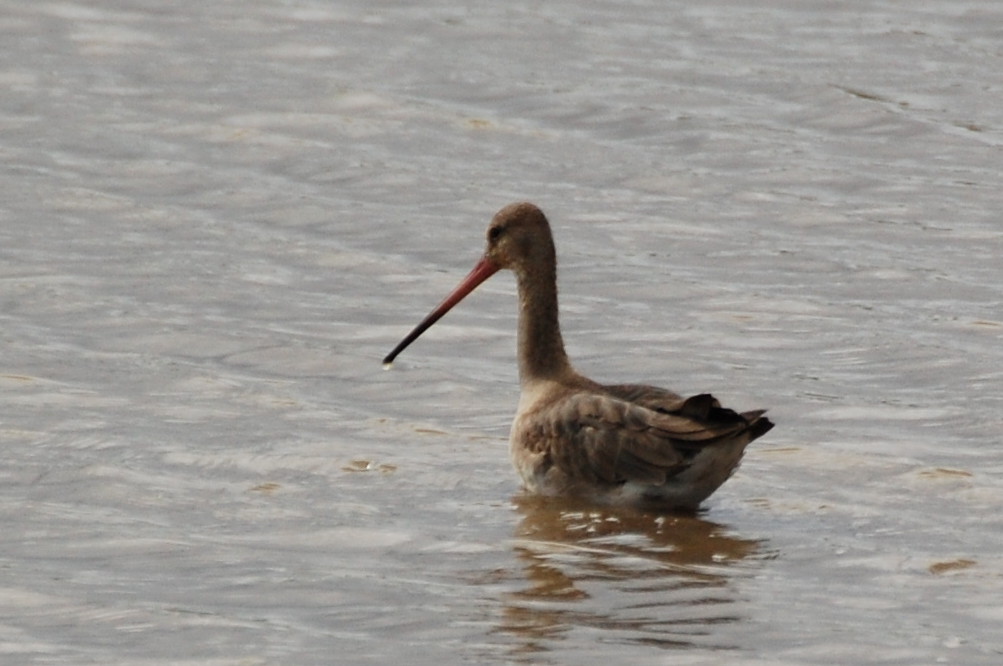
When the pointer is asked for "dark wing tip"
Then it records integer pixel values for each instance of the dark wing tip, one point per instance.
(705, 408)
(759, 425)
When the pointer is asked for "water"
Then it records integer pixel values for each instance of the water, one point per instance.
(217, 218)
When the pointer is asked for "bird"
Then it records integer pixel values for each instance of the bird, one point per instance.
(621, 444)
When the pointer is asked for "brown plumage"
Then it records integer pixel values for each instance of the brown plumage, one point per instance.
(620, 444)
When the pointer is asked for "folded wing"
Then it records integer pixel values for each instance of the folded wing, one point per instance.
(643, 434)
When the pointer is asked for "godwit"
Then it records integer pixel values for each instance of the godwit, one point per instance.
(620, 444)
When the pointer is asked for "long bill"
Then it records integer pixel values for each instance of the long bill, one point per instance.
(484, 269)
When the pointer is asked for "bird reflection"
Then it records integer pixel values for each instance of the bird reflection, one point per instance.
(664, 580)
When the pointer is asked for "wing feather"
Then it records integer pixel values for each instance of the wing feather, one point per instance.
(615, 440)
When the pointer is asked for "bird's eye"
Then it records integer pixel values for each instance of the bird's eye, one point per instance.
(494, 233)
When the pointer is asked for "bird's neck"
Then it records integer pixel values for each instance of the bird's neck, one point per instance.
(541, 348)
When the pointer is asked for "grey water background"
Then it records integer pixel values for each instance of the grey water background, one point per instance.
(216, 218)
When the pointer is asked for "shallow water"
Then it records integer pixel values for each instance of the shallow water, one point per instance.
(216, 219)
